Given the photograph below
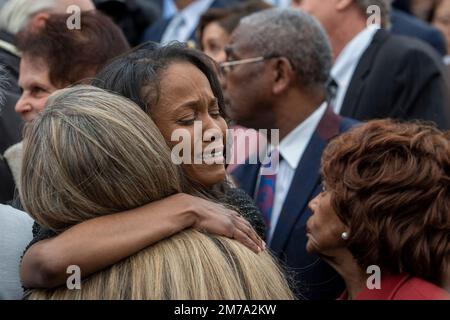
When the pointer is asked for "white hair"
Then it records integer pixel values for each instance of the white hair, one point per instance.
(16, 14)
(295, 35)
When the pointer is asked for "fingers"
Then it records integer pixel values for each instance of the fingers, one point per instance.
(245, 227)
(246, 241)
(248, 229)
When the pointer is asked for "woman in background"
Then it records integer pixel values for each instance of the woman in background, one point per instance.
(216, 26)
(95, 153)
(386, 204)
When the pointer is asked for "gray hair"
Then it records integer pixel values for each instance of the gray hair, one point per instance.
(16, 14)
(384, 5)
(295, 35)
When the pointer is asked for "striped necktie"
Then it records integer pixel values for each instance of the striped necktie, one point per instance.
(266, 194)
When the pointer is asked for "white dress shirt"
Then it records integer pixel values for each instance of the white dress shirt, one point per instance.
(185, 22)
(347, 61)
(292, 148)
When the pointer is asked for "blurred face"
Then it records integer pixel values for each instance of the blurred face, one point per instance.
(442, 21)
(186, 97)
(36, 87)
(247, 88)
(85, 5)
(214, 40)
(322, 10)
(324, 229)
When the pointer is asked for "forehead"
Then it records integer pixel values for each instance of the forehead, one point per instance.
(240, 41)
(33, 70)
(182, 81)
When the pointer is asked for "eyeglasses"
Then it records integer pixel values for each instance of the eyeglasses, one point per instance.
(227, 66)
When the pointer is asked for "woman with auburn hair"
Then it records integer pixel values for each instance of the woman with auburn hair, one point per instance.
(386, 203)
(95, 153)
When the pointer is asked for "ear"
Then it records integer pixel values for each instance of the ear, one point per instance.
(341, 5)
(39, 20)
(283, 74)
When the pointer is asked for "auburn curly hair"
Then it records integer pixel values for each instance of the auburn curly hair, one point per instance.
(390, 184)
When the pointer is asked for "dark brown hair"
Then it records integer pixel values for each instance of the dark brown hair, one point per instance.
(229, 18)
(390, 184)
(73, 55)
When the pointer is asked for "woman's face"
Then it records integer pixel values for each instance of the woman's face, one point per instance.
(324, 229)
(442, 21)
(36, 87)
(214, 41)
(187, 103)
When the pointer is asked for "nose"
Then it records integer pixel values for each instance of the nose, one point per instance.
(313, 204)
(23, 105)
(211, 130)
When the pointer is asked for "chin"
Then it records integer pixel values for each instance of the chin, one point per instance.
(207, 175)
(310, 248)
(216, 174)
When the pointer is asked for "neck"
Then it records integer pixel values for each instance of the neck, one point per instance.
(181, 4)
(345, 31)
(354, 278)
(294, 109)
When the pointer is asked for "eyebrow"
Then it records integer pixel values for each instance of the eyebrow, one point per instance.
(194, 104)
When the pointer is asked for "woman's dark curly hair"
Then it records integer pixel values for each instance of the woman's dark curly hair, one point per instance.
(390, 184)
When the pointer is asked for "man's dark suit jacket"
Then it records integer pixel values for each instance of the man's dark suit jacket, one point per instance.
(312, 277)
(398, 77)
(404, 24)
(10, 133)
(156, 31)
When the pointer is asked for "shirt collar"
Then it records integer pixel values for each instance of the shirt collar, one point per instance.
(195, 9)
(350, 56)
(294, 144)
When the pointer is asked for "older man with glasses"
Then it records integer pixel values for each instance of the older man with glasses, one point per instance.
(275, 77)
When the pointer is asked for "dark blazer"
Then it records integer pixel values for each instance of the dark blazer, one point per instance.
(10, 123)
(398, 77)
(7, 184)
(407, 25)
(156, 31)
(313, 277)
(10, 61)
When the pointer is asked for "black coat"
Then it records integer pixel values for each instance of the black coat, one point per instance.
(399, 77)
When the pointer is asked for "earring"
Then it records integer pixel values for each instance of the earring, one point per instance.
(345, 236)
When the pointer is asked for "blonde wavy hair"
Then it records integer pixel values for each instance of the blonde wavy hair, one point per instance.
(93, 153)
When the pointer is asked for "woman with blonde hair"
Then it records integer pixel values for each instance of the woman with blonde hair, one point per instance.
(95, 153)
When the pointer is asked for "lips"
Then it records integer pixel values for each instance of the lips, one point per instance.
(212, 155)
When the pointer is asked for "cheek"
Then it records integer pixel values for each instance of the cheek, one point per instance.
(39, 104)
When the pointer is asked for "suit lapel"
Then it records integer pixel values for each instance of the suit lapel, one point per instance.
(305, 181)
(246, 177)
(356, 86)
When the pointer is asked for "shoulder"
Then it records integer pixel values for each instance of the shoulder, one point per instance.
(398, 47)
(240, 200)
(404, 24)
(13, 157)
(419, 289)
(10, 214)
(15, 225)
